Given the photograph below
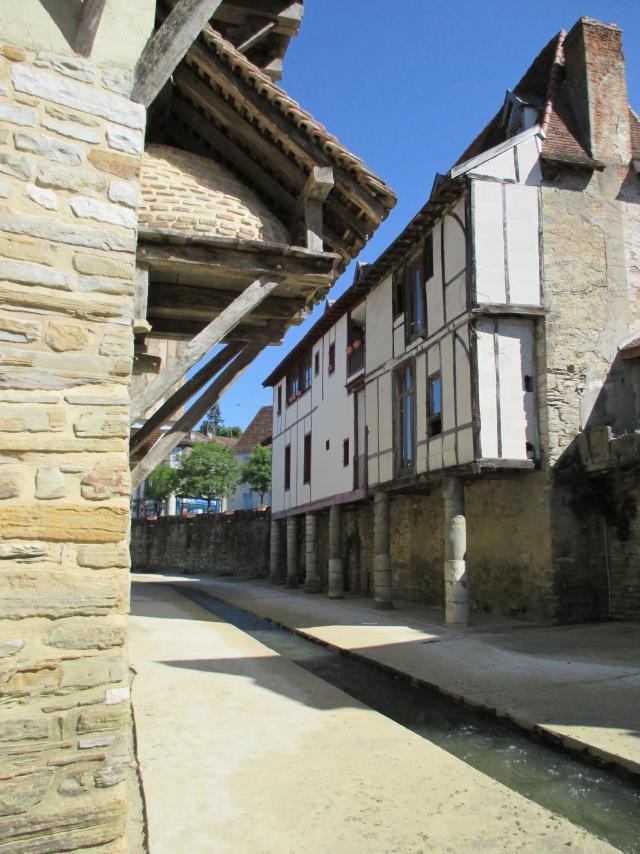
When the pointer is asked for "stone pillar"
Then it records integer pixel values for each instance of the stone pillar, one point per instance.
(171, 505)
(382, 558)
(312, 576)
(336, 562)
(456, 594)
(275, 570)
(292, 552)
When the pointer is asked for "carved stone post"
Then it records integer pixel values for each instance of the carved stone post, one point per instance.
(292, 551)
(456, 594)
(336, 561)
(312, 576)
(382, 559)
(275, 570)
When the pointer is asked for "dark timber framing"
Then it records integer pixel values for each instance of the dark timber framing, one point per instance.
(88, 28)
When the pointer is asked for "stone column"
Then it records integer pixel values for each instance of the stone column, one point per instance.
(456, 595)
(275, 570)
(171, 505)
(382, 559)
(312, 577)
(292, 552)
(336, 562)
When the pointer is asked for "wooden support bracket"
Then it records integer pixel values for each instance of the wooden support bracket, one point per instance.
(310, 203)
(91, 16)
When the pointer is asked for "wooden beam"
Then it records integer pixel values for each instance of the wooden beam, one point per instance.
(183, 395)
(202, 405)
(168, 45)
(283, 128)
(91, 16)
(205, 341)
(203, 303)
(140, 299)
(249, 34)
(310, 202)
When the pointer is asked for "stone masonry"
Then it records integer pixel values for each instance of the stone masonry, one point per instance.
(70, 150)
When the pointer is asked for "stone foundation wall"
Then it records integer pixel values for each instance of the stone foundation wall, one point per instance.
(70, 146)
(237, 544)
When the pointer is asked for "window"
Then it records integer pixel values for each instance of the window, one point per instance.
(317, 363)
(527, 383)
(306, 466)
(305, 373)
(279, 410)
(327, 445)
(287, 467)
(398, 292)
(345, 453)
(427, 258)
(434, 405)
(405, 417)
(299, 379)
(332, 358)
(414, 313)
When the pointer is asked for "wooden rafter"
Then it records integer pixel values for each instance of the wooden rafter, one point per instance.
(184, 330)
(195, 302)
(91, 16)
(205, 341)
(255, 30)
(183, 395)
(184, 425)
(168, 45)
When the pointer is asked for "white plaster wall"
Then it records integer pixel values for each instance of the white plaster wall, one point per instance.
(52, 26)
(523, 249)
(489, 244)
(379, 308)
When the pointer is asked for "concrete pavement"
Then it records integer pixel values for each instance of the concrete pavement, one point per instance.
(243, 751)
(580, 684)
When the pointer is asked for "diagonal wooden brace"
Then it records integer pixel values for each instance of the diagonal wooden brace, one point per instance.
(203, 404)
(202, 344)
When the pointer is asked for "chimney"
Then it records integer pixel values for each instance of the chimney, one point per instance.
(597, 85)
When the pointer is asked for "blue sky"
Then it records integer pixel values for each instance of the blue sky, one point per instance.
(406, 86)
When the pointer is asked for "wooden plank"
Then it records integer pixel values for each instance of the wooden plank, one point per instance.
(183, 395)
(168, 45)
(221, 144)
(202, 303)
(91, 16)
(140, 299)
(184, 425)
(254, 31)
(205, 341)
(283, 128)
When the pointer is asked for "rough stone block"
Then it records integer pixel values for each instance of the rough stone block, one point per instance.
(11, 647)
(118, 80)
(110, 774)
(18, 331)
(28, 250)
(16, 166)
(22, 552)
(50, 483)
(104, 482)
(62, 232)
(73, 131)
(18, 115)
(103, 556)
(20, 793)
(121, 165)
(99, 284)
(68, 93)
(125, 193)
(62, 336)
(9, 482)
(46, 146)
(124, 139)
(100, 425)
(5, 190)
(101, 719)
(68, 116)
(23, 729)
(72, 180)
(102, 265)
(112, 696)
(74, 305)
(12, 53)
(45, 198)
(116, 345)
(95, 400)
(31, 419)
(88, 208)
(69, 66)
(89, 672)
(64, 523)
(91, 634)
(29, 273)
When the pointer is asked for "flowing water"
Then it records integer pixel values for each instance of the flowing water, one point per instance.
(605, 804)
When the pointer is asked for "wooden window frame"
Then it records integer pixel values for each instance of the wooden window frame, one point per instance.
(279, 399)
(428, 268)
(287, 468)
(415, 314)
(434, 418)
(331, 362)
(316, 365)
(299, 378)
(345, 453)
(404, 464)
(306, 459)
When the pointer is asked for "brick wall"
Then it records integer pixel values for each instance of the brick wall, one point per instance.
(70, 146)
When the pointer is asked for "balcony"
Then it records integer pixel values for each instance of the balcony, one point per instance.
(355, 357)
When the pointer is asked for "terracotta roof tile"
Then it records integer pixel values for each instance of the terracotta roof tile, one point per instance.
(258, 431)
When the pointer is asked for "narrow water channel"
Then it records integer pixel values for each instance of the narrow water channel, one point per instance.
(597, 799)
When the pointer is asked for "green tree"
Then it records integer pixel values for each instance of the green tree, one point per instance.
(230, 432)
(212, 421)
(257, 471)
(160, 484)
(210, 471)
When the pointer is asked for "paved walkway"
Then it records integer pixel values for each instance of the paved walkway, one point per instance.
(579, 683)
(242, 751)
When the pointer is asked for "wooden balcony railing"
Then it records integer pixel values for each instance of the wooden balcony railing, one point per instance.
(355, 360)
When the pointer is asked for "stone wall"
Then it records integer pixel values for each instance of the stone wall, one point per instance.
(70, 146)
(237, 544)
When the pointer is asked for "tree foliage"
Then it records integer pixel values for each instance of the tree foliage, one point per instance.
(161, 483)
(257, 471)
(213, 425)
(210, 471)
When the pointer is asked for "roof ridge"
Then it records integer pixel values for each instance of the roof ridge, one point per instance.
(558, 61)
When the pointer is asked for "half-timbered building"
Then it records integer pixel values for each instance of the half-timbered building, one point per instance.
(455, 381)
